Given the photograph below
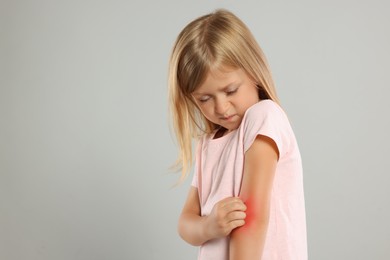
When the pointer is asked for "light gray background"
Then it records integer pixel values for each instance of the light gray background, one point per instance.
(85, 144)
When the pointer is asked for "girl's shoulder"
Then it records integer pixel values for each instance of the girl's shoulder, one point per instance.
(267, 118)
(265, 109)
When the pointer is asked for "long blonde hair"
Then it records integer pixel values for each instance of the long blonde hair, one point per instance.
(209, 42)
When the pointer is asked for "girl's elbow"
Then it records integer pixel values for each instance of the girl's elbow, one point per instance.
(180, 228)
(187, 238)
(185, 234)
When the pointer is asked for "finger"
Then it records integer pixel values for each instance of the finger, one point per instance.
(235, 215)
(228, 200)
(236, 223)
(235, 205)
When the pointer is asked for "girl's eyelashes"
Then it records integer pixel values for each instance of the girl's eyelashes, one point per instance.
(204, 99)
(231, 92)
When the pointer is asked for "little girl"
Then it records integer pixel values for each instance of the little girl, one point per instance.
(246, 200)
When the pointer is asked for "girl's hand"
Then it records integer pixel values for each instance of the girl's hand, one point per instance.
(226, 215)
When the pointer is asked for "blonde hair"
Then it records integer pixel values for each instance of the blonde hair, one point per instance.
(209, 42)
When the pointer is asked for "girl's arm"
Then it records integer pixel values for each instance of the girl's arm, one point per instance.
(226, 215)
(247, 242)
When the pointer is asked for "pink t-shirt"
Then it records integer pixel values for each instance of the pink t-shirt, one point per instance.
(218, 174)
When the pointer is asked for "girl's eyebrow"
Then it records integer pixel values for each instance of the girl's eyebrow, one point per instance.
(222, 89)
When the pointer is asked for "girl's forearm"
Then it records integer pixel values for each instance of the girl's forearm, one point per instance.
(193, 229)
(247, 242)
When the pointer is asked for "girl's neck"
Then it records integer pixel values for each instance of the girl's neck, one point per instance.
(221, 132)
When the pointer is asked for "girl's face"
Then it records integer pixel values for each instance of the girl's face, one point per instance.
(225, 96)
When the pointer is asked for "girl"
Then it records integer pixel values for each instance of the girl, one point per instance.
(246, 199)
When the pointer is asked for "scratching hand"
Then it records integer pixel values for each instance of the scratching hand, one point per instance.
(226, 215)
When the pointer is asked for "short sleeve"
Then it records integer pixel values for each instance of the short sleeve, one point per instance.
(266, 118)
(197, 167)
(194, 182)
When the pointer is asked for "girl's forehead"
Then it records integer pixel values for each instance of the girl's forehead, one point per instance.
(220, 74)
(219, 78)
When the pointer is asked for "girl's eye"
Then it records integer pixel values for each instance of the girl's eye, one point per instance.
(231, 92)
(204, 99)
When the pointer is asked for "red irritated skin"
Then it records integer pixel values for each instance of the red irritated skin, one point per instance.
(250, 215)
(247, 242)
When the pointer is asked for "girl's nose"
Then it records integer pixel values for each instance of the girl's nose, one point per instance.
(221, 106)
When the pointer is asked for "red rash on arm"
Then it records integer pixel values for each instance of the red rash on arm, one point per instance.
(250, 214)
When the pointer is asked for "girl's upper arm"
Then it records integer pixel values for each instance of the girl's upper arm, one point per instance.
(259, 170)
(192, 204)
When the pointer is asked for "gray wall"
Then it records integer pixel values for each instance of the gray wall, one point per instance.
(85, 143)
